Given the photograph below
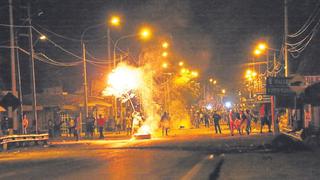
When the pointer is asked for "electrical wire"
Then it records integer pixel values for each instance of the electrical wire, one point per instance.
(309, 21)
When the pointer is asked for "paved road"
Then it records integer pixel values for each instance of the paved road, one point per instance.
(183, 157)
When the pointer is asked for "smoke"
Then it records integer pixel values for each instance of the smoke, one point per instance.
(126, 81)
(148, 91)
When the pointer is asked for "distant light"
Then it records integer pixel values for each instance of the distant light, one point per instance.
(165, 65)
(215, 82)
(115, 20)
(209, 107)
(181, 63)
(194, 73)
(165, 45)
(257, 52)
(164, 54)
(211, 80)
(262, 46)
(43, 37)
(228, 104)
(183, 70)
(223, 91)
(145, 33)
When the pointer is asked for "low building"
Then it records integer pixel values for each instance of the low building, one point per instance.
(60, 106)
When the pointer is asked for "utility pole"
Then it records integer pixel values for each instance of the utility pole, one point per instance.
(12, 112)
(85, 83)
(286, 63)
(19, 82)
(33, 77)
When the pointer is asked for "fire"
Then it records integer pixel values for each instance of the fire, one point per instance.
(122, 80)
(144, 129)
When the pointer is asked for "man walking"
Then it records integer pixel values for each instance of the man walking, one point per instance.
(216, 118)
(101, 122)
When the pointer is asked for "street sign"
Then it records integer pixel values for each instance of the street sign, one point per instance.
(10, 100)
(263, 98)
(278, 86)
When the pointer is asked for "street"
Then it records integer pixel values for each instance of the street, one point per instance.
(181, 157)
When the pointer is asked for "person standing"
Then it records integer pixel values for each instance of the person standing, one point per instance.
(50, 128)
(128, 125)
(216, 118)
(165, 123)
(248, 121)
(264, 117)
(25, 124)
(206, 120)
(231, 121)
(101, 121)
(71, 126)
(4, 125)
(77, 128)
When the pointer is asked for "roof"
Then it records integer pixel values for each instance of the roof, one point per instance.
(53, 100)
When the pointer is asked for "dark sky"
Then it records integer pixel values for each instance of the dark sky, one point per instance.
(216, 36)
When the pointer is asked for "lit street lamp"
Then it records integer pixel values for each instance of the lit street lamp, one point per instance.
(165, 45)
(165, 65)
(164, 54)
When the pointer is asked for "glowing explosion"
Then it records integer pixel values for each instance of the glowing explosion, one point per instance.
(122, 80)
(125, 79)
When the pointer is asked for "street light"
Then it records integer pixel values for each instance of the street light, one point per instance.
(42, 37)
(165, 65)
(215, 82)
(145, 33)
(181, 63)
(165, 45)
(115, 20)
(223, 91)
(164, 54)
(257, 52)
(262, 46)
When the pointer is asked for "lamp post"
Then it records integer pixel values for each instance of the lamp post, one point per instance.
(144, 34)
(85, 80)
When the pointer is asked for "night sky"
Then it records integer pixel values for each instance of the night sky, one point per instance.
(216, 36)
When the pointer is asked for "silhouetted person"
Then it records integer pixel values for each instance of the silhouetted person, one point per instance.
(216, 118)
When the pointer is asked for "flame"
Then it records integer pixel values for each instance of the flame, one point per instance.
(144, 129)
(122, 80)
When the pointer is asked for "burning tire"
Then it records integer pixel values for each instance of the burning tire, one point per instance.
(142, 136)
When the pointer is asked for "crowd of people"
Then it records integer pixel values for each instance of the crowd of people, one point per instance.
(237, 120)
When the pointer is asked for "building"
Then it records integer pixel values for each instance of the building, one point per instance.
(59, 106)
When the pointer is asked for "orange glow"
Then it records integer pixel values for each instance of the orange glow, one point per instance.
(165, 65)
(262, 46)
(165, 45)
(211, 80)
(223, 91)
(115, 21)
(194, 73)
(122, 80)
(215, 82)
(257, 52)
(183, 70)
(145, 33)
(164, 54)
(181, 63)
(144, 129)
